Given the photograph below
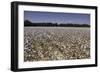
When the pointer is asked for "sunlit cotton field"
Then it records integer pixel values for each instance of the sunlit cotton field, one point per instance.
(56, 43)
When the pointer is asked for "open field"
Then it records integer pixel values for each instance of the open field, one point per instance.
(56, 43)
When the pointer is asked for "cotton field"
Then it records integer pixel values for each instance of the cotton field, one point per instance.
(56, 43)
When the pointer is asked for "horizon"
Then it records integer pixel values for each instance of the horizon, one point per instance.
(51, 22)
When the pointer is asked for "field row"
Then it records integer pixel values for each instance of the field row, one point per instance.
(56, 43)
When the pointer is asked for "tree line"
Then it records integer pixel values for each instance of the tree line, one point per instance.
(28, 23)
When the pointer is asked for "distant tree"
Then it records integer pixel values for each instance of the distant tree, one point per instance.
(28, 23)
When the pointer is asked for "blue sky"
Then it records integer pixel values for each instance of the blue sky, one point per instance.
(56, 17)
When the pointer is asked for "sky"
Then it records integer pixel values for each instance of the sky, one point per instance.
(56, 17)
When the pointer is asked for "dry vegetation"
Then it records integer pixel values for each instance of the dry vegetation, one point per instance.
(56, 43)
